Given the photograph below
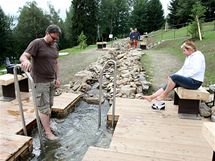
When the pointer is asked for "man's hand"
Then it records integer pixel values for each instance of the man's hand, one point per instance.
(26, 65)
(57, 83)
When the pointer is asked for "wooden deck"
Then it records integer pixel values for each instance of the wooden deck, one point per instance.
(13, 145)
(142, 134)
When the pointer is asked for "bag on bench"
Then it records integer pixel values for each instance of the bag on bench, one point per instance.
(10, 66)
(10, 69)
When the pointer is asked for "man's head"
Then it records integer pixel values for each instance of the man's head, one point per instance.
(53, 32)
(53, 29)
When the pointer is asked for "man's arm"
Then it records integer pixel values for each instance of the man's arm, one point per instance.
(25, 61)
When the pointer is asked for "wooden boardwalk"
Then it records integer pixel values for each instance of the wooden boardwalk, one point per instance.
(142, 134)
(12, 145)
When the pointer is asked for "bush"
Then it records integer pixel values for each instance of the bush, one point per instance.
(193, 30)
(82, 41)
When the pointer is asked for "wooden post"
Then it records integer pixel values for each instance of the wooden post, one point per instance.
(199, 31)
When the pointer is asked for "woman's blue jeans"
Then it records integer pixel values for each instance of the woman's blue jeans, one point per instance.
(184, 82)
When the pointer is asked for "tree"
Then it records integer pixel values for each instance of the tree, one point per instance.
(173, 19)
(84, 18)
(54, 18)
(155, 15)
(139, 16)
(113, 18)
(180, 11)
(6, 39)
(105, 19)
(120, 17)
(82, 41)
(197, 13)
(32, 23)
(68, 27)
(210, 9)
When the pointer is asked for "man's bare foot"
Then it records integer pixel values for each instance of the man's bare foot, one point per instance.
(148, 98)
(51, 136)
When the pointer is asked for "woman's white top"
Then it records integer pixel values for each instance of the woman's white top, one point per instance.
(194, 66)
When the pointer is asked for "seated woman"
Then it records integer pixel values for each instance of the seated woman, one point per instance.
(190, 76)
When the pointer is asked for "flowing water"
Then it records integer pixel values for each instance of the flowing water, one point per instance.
(76, 133)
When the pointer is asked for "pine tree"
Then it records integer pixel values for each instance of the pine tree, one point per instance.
(32, 23)
(139, 16)
(6, 39)
(84, 19)
(155, 15)
(172, 17)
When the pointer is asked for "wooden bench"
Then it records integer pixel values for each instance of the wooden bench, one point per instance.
(101, 45)
(208, 131)
(188, 101)
(143, 45)
(7, 83)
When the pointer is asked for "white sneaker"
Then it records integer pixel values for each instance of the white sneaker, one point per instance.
(159, 105)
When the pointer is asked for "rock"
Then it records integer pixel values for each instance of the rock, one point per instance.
(93, 99)
(204, 110)
(131, 79)
(127, 90)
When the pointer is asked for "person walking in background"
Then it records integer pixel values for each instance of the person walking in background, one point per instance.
(190, 76)
(131, 38)
(45, 73)
(136, 37)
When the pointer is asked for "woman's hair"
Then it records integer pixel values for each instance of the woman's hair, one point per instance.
(189, 44)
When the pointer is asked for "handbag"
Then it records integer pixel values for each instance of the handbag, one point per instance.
(11, 67)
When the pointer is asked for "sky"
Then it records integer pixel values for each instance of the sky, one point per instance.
(11, 7)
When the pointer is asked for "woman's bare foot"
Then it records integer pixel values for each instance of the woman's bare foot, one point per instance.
(148, 98)
(51, 136)
(161, 97)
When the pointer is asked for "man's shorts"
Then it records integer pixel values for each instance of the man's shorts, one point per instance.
(44, 93)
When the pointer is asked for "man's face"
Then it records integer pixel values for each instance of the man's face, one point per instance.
(53, 37)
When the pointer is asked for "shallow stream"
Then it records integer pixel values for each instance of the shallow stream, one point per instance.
(76, 133)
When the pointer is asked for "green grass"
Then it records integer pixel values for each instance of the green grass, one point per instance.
(1, 69)
(147, 67)
(179, 33)
(76, 50)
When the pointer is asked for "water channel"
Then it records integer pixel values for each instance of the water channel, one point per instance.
(76, 133)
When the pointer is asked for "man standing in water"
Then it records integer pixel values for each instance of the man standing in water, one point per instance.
(45, 73)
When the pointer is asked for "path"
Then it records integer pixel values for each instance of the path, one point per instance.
(162, 64)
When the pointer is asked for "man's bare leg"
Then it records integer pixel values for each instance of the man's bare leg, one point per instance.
(45, 120)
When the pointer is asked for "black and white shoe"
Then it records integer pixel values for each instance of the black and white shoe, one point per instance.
(159, 105)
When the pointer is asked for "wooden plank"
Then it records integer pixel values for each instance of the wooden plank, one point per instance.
(199, 94)
(7, 79)
(208, 130)
(158, 135)
(64, 101)
(159, 149)
(11, 146)
(98, 154)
